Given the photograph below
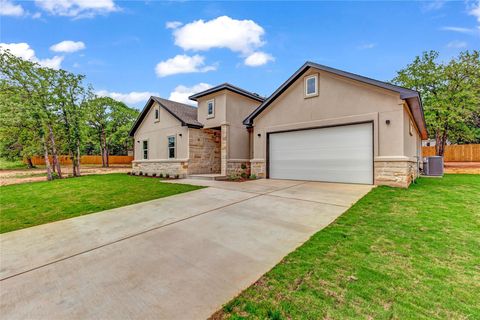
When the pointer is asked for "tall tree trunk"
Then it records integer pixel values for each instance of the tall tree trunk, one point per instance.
(78, 159)
(54, 152)
(54, 165)
(30, 163)
(74, 164)
(47, 161)
(105, 150)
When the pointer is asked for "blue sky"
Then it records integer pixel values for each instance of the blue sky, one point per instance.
(131, 49)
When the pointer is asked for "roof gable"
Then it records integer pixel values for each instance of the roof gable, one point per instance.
(411, 96)
(230, 87)
(185, 114)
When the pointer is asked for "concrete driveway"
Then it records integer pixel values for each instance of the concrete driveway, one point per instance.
(180, 257)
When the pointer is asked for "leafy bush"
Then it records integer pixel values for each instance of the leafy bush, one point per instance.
(140, 173)
(244, 175)
(160, 175)
(154, 174)
(167, 175)
(243, 166)
(252, 177)
(177, 176)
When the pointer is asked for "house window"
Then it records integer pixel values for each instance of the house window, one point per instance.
(157, 114)
(171, 147)
(311, 86)
(210, 109)
(410, 129)
(145, 149)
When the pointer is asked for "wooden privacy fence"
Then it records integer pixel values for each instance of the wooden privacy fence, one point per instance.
(457, 152)
(65, 160)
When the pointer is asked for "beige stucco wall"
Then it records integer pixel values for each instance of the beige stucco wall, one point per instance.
(220, 115)
(238, 108)
(339, 101)
(156, 132)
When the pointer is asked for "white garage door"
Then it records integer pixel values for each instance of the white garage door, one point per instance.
(334, 154)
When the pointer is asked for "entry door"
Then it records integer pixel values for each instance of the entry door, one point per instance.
(333, 154)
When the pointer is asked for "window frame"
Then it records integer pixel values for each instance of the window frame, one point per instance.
(174, 147)
(410, 127)
(157, 114)
(211, 115)
(143, 149)
(314, 94)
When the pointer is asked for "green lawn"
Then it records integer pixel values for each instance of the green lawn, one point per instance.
(396, 254)
(30, 204)
(9, 165)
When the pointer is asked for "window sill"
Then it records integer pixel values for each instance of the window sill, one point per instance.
(310, 95)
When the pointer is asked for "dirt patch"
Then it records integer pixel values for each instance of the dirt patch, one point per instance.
(462, 167)
(8, 177)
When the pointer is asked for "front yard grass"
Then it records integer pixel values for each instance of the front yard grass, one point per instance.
(396, 254)
(30, 204)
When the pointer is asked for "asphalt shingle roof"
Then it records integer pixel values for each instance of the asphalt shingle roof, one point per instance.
(183, 112)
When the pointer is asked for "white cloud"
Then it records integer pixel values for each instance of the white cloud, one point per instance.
(37, 15)
(433, 5)
(242, 36)
(68, 46)
(456, 44)
(8, 8)
(367, 46)
(25, 52)
(182, 64)
(475, 11)
(458, 29)
(173, 24)
(133, 97)
(258, 58)
(181, 93)
(77, 8)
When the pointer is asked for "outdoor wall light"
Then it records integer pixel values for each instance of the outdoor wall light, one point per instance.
(387, 122)
(138, 141)
(180, 134)
(259, 135)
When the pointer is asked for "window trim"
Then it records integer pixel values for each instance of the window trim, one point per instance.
(174, 147)
(410, 127)
(212, 115)
(143, 149)
(314, 94)
(157, 112)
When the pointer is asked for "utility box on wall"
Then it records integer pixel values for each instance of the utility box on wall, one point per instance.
(433, 166)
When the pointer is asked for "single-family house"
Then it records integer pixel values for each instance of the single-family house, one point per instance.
(321, 124)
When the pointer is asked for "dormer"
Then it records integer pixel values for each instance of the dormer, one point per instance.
(225, 104)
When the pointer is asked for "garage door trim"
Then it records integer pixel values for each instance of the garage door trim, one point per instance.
(322, 127)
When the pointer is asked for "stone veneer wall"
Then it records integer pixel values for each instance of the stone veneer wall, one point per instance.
(204, 151)
(149, 167)
(395, 173)
(258, 168)
(234, 167)
(224, 148)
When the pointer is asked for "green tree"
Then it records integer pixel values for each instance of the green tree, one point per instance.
(110, 121)
(450, 93)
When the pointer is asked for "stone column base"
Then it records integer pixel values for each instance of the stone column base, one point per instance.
(395, 173)
(258, 168)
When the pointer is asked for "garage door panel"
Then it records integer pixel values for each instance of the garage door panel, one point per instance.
(336, 154)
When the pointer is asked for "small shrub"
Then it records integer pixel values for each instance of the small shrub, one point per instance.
(244, 175)
(167, 175)
(243, 166)
(129, 173)
(154, 174)
(160, 175)
(177, 176)
(140, 173)
(252, 177)
(232, 177)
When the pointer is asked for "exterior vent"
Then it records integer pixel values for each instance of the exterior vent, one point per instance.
(433, 166)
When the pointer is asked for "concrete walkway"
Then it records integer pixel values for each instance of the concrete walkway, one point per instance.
(180, 257)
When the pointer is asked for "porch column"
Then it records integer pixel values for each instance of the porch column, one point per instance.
(224, 147)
